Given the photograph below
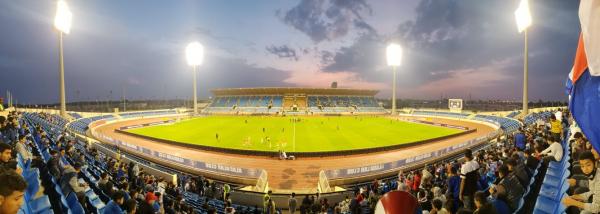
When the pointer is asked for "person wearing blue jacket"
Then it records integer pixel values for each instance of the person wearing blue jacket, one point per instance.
(114, 206)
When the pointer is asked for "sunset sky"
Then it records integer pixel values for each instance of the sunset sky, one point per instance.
(453, 48)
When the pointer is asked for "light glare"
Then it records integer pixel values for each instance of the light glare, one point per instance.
(63, 18)
(394, 54)
(194, 53)
(523, 16)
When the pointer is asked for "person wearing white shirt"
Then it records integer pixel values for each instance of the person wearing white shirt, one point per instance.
(554, 152)
(22, 148)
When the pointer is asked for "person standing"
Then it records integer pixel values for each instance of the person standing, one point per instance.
(226, 190)
(266, 199)
(555, 128)
(468, 182)
(292, 203)
(520, 139)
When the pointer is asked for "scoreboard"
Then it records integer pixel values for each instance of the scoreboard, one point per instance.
(455, 105)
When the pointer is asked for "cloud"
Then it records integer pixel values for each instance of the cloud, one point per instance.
(327, 20)
(466, 35)
(283, 51)
(323, 79)
(497, 78)
(364, 56)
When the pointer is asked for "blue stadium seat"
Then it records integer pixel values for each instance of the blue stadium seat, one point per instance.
(40, 205)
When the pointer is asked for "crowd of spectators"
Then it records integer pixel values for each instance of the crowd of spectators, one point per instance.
(494, 179)
(127, 186)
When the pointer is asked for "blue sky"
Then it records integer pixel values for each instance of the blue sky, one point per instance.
(453, 48)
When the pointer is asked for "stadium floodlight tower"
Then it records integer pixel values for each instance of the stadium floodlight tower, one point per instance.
(62, 22)
(523, 17)
(394, 59)
(195, 55)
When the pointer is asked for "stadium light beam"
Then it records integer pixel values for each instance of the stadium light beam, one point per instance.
(62, 22)
(394, 59)
(194, 53)
(523, 18)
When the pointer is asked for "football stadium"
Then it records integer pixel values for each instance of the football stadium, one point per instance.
(349, 116)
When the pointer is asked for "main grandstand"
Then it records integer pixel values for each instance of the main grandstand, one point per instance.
(306, 100)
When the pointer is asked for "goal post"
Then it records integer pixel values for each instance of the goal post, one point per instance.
(262, 184)
(323, 185)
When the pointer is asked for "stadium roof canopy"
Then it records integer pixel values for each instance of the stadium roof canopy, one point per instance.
(293, 90)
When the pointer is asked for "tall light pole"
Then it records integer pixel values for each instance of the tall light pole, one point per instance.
(62, 22)
(195, 55)
(394, 59)
(523, 18)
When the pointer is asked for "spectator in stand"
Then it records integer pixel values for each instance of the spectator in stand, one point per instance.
(12, 191)
(423, 199)
(437, 207)
(530, 161)
(70, 182)
(125, 188)
(578, 145)
(109, 189)
(355, 202)
(498, 199)
(453, 192)
(375, 185)
(169, 207)
(416, 182)
(23, 149)
(482, 204)
(437, 194)
(518, 172)
(468, 183)
(553, 153)
(426, 177)
(131, 206)
(54, 164)
(511, 186)
(555, 128)
(114, 206)
(6, 160)
(582, 201)
(520, 139)
(158, 203)
(104, 180)
(147, 206)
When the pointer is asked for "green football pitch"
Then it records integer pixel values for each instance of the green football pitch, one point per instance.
(310, 134)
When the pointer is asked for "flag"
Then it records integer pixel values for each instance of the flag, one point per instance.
(583, 85)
